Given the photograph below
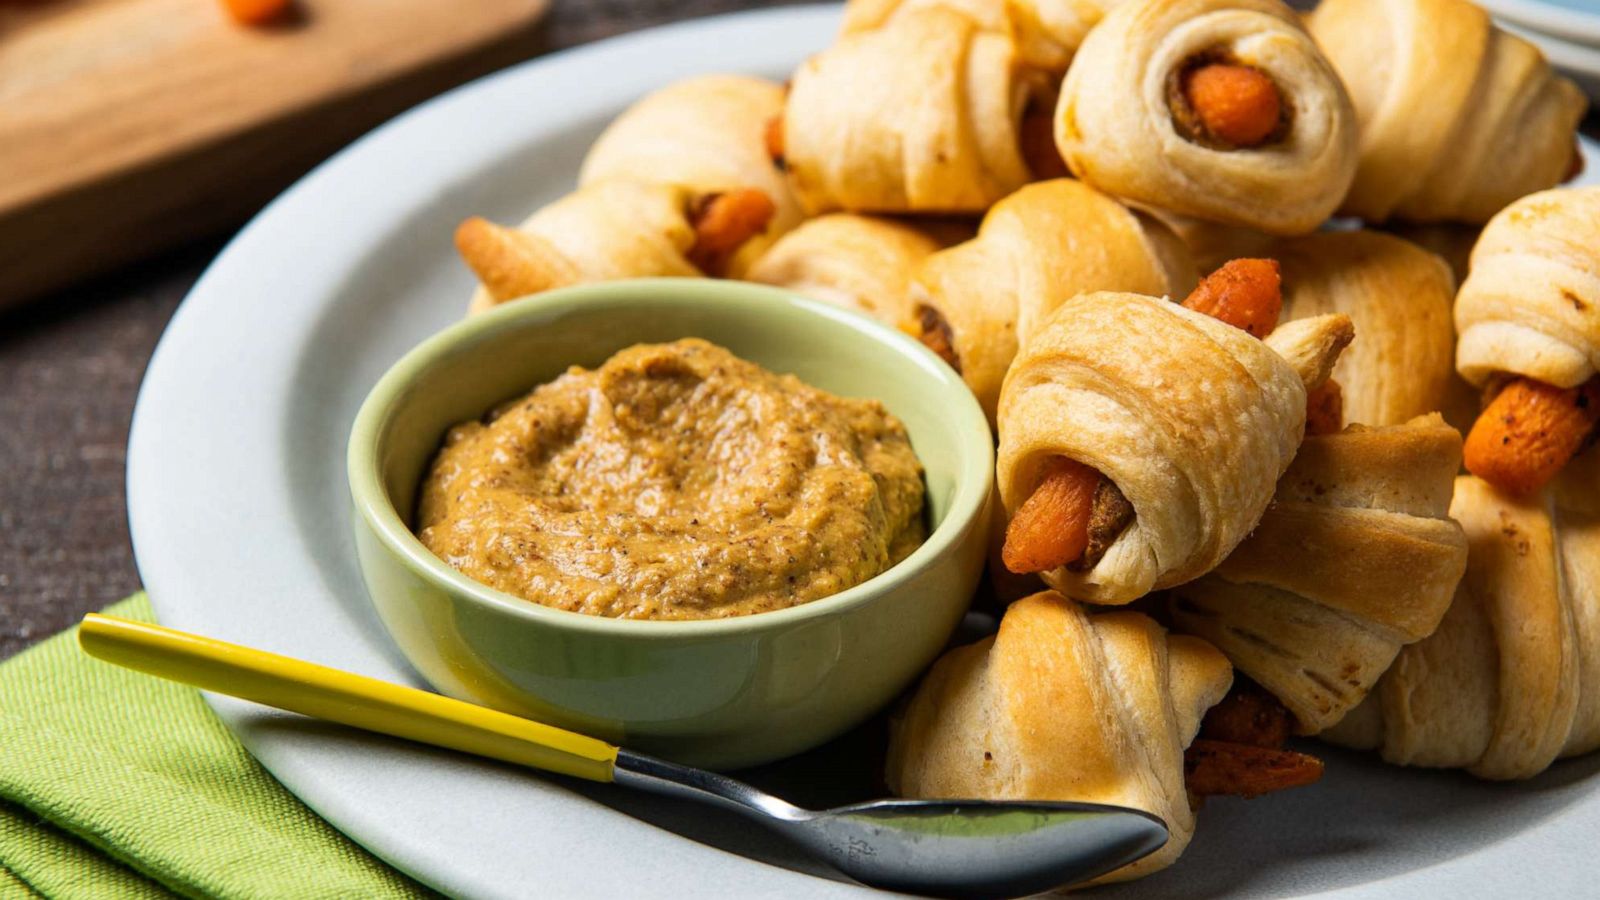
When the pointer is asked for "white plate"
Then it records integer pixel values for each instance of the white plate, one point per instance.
(1576, 61)
(1573, 20)
(240, 522)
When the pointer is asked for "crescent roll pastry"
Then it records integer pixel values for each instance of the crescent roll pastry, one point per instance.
(1531, 305)
(1529, 320)
(1399, 297)
(921, 115)
(1511, 679)
(1354, 559)
(707, 134)
(1219, 109)
(1451, 241)
(1213, 244)
(1191, 419)
(1061, 705)
(1046, 32)
(605, 231)
(864, 263)
(1039, 247)
(1458, 118)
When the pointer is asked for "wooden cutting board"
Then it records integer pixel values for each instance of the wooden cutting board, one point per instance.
(129, 125)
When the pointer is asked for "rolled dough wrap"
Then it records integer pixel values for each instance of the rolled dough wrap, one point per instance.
(1116, 128)
(1355, 558)
(602, 232)
(1213, 243)
(707, 134)
(1451, 241)
(1531, 306)
(863, 263)
(1399, 297)
(1062, 705)
(1457, 117)
(920, 115)
(1510, 681)
(1046, 32)
(1036, 249)
(1194, 420)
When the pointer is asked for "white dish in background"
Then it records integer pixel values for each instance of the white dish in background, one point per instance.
(240, 520)
(1576, 61)
(1572, 20)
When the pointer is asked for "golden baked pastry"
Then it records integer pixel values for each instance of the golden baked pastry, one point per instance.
(1061, 705)
(707, 134)
(1147, 114)
(1510, 681)
(610, 230)
(1039, 247)
(1450, 241)
(1458, 118)
(1355, 558)
(864, 263)
(1046, 32)
(1212, 243)
(1399, 297)
(1193, 420)
(921, 115)
(1531, 305)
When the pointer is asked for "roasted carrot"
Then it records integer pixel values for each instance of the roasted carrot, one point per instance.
(1051, 528)
(1215, 768)
(1245, 293)
(1248, 715)
(256, 12)
(1240, 748)
(1529, 431)
(1325, 409)
(1237, 106)
(723, 222)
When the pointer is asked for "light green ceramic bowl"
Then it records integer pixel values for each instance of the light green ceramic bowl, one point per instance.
(721, 693)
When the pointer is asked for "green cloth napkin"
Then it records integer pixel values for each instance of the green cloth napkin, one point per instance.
(115, 784)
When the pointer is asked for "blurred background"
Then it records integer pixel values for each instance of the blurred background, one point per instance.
(92, 267)
(136, 136)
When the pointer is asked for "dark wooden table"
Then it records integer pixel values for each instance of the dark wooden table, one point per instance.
(70, 366)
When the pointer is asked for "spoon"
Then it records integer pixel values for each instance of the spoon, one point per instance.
(950, 848)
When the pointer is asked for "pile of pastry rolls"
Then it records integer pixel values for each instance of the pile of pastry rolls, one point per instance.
(1214, 271)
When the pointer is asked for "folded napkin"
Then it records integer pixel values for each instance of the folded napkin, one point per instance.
(119, 785)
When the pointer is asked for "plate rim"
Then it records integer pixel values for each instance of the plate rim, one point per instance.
(1573, 25)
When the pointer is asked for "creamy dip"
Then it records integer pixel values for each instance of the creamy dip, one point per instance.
(676, 481)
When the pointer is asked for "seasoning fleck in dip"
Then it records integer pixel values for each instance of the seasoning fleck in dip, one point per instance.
(676, 481)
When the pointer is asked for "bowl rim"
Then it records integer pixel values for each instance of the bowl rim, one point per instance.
(974, 472)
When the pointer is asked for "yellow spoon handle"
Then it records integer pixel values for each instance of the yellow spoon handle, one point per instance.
(343, 697)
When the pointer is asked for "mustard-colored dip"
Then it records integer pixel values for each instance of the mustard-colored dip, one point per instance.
(676, 481)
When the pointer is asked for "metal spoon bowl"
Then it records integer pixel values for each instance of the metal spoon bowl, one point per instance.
(949, 848)
(945, 848)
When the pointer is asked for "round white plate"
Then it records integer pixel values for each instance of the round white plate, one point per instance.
(1573, 20)
(1577, 61)
(240, 521)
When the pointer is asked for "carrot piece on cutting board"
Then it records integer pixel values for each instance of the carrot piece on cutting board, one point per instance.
(256, 12)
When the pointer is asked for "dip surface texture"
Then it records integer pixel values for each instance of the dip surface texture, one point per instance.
(676, 481)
